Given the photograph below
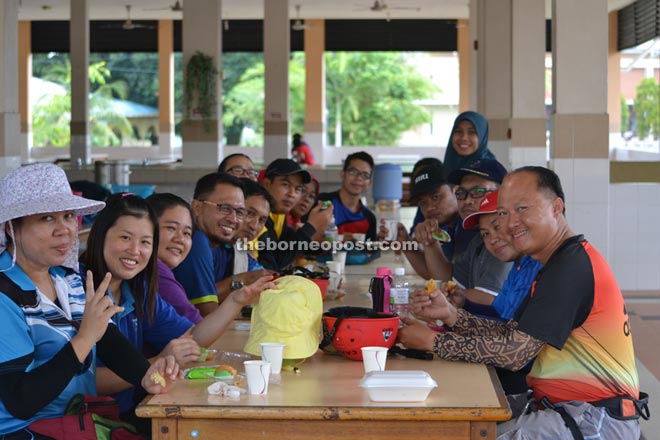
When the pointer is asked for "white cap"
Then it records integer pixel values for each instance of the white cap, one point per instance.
(400, 271)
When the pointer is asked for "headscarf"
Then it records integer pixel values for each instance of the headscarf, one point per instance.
(453, 160)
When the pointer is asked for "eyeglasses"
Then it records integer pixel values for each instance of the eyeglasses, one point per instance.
(226, 209)
(239, 171)
(355, 172)
(475, 193)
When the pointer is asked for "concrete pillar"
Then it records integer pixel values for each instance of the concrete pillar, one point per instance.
(10, 150)
(613, 76)
(24, 75)
(81, 149)
(276, 60)
(473, 26)
(464, 51)
(494, 83)
(528, 123)
(315, 88)
(165, 87)
(202, 31)
(579, 148)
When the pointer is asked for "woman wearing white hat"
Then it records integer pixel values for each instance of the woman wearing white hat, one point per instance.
(51, 328)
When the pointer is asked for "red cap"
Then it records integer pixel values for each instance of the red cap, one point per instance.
(488, 205)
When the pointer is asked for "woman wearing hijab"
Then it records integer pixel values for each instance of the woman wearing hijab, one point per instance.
(468, 141)
(53, 329)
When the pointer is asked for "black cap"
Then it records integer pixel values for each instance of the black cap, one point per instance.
(286, 167)
(489, 169)
(427, 180)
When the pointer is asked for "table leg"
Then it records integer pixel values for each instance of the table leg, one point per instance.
(483, 430)
(164, 429)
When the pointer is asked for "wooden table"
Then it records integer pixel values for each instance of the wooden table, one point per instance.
(324, 401)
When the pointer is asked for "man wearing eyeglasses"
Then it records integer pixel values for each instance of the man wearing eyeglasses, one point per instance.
(351, 215)
(284, 179)
(238, 165)
(218, 208)
(475, 270)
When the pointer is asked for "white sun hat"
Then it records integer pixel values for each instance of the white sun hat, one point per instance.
(36, 189)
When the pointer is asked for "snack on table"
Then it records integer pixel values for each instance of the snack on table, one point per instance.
(441, 235)
(158, 379)
(223, 372)
(430, 287)
(225, 368)
(207, 354)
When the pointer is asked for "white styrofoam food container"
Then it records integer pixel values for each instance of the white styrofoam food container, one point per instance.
(398, 385)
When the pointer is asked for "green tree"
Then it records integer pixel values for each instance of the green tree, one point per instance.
(625, 115)
(374, 94)
(138, 70)
(370, 96)
(244, 103)
(234, 65)
(647, 108)
(51, 118)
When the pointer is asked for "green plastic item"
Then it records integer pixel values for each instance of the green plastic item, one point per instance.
(441, 235)
(207, 373)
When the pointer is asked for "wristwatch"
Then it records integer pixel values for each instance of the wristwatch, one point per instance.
(236, 283)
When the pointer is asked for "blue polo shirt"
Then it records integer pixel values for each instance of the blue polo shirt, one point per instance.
(43, 329)
(166, 325)
(203, 267)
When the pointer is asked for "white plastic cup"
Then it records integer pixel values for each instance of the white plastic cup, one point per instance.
(374, 358)
(392, 228)
(359, 237)
(273, 352)
(334, 266)
(340, 257)
(257, 373)
(335, 270)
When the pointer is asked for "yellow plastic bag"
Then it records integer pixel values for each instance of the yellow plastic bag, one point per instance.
(290, 314)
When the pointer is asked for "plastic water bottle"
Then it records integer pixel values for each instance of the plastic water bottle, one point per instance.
(400, 292)
(388, 214)
(331, 232)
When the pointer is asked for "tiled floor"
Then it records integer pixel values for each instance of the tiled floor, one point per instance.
(644, 312)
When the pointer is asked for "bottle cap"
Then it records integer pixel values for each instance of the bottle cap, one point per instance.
(400, 271)
(383, 271)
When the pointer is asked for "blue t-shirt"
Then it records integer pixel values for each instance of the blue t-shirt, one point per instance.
(166, 325)
(33, 331)
(363, 221)
(516, 287)
(253, 264)
(202, 268)
(460, 239)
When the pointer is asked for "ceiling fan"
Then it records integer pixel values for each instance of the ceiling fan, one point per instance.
(298, 24)
(381, 6)
(176, 7)
(129, 24)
